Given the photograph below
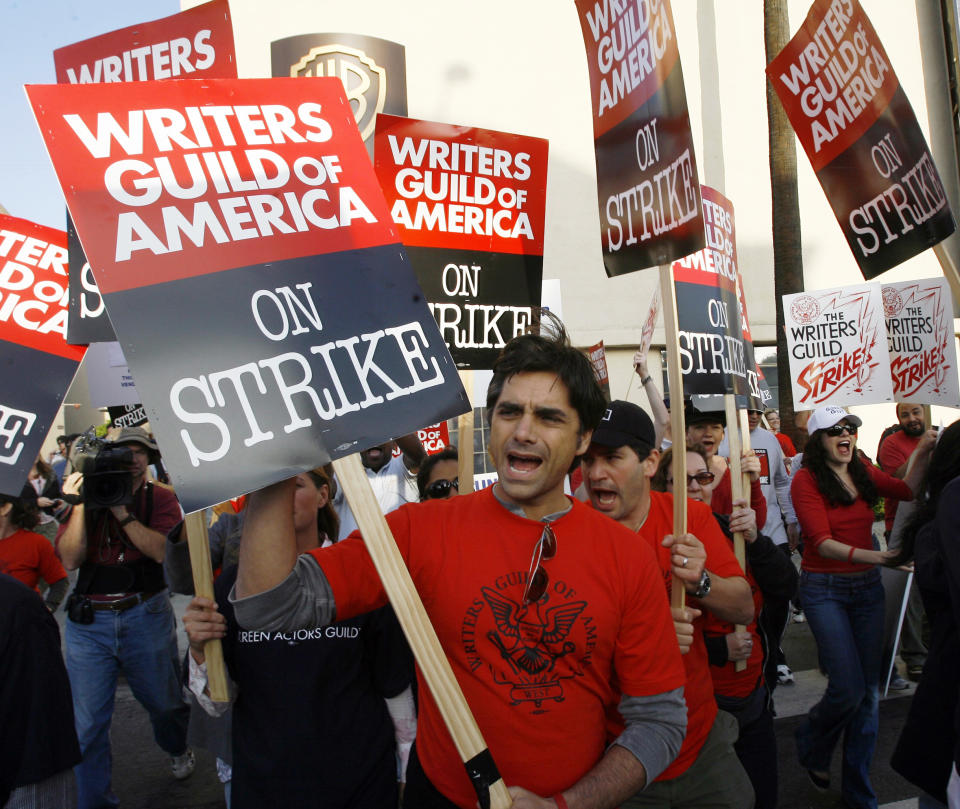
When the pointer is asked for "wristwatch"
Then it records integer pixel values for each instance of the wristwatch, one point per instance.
(703, 588)
(132, 518)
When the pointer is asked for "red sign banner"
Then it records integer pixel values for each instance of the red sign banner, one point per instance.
(197, 43)
(648, 193)
(193, 44)
(469, 204)
(712, 355)
(252, 271)
(38, 364)
(859, 131)
(598, 359)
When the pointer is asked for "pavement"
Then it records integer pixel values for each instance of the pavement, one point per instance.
(142, 778)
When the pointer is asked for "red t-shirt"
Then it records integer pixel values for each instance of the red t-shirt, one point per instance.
(789, 450)
(104, 540)
(701, 706)
(851, 524)
(894, 452)
(538, 679)
(721, 498)
(28, 556)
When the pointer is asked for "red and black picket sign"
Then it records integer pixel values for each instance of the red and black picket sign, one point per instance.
(38, 364)
(647, 185)
(196, 43)
(252, 272)
(710, 338)
(469, 205)
(860, 133)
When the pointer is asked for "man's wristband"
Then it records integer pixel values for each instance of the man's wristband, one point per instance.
(850, 555)
(127, 520)
(643, 381)
(560, 801)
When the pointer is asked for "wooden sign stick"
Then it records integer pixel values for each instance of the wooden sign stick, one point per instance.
(678, 428)
(420, 633)
(736, 487)
(465, 438)
(198, 543)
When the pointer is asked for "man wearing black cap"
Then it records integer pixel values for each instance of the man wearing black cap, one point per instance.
(617, 468)
(121, 618)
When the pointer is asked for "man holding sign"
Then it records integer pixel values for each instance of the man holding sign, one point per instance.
(617, 468)
(541, 645)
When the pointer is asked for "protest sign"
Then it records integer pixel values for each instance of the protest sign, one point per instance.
(923, 352)
(108, 376)
(192, 44)
(131, 415)
(373, 71)
(435, 438)
(837, 344)
(598, 359)
(646, 333)
(469, 204)
(648, 192)
(196, 43)
(252, 272)
(860, 133)
(38, 365)
(710, 336)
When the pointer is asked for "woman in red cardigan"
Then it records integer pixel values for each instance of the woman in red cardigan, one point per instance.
(833, 495)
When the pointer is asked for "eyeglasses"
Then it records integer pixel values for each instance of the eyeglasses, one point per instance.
(703, 478)
(537, 578)
(840, 429)
(440, 489)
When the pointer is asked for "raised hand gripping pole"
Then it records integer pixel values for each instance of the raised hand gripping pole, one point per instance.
(491, 791)
(198, 543)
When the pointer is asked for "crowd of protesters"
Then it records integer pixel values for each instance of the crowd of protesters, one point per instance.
(590, 688)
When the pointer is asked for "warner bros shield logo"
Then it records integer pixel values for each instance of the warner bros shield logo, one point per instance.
(365, 81)
(373, 71)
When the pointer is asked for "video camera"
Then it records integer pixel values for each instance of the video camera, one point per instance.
(107, 479)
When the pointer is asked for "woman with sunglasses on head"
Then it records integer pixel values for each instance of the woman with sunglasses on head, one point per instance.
(743, 693)
(437, 477)
(833, 495)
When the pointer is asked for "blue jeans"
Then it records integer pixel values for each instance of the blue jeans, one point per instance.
(141, 641)
(845, 614)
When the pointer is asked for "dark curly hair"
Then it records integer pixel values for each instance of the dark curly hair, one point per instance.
(944, 466)
(550, 351)
(829, 485)
(25, 513)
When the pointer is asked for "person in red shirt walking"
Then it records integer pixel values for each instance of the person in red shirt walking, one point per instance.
(833, 494)
(28, 556)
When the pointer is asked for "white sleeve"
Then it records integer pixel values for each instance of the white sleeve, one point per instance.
(197, 683)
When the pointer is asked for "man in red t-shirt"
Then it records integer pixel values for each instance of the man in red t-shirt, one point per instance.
(550, 615)
(895, 450)
(617, 468)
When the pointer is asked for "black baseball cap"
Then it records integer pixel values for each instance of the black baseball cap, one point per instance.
(622, 423)
(693, 415)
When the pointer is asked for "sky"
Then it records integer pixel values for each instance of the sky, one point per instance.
(30, 31)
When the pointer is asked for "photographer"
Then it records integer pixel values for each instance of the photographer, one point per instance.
(120, 613)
